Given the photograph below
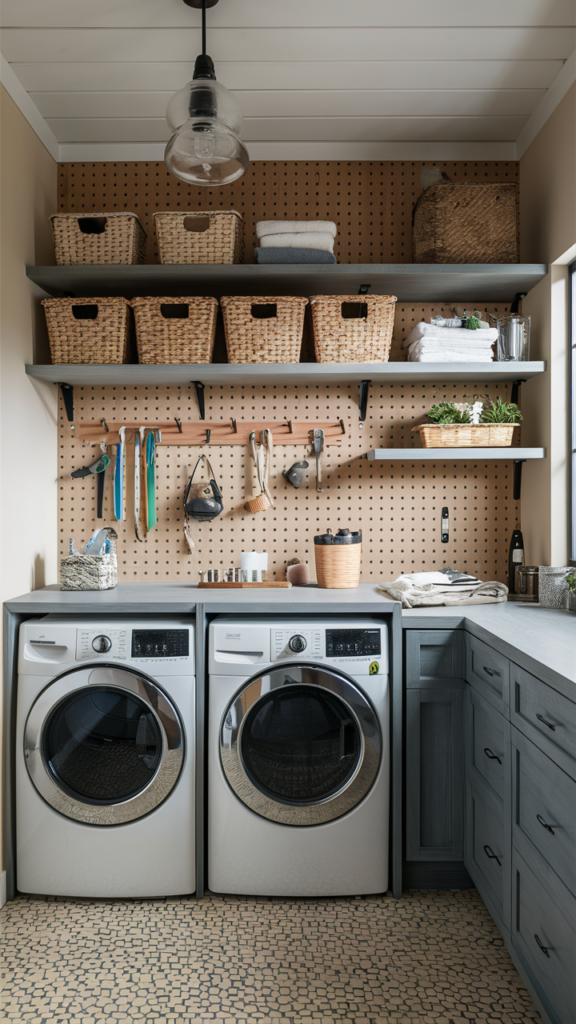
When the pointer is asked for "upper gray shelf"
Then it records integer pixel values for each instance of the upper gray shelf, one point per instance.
(410, 282)
(453, 454)
(283, 373)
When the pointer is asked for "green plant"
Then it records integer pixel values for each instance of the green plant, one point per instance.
(571, 581)
(501, 412)
(447, 412)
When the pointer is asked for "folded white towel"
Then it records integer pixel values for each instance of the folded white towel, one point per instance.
(433, 344)
(448, 579)
(417, 353)
(294, 227)
(451, 334)
(302, 240)
(414, 596)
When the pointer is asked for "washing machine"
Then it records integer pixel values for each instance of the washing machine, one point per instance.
(105, 757)
(298, 756)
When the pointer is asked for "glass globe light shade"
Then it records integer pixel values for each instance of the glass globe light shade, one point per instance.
(203, 98)
(206, 152)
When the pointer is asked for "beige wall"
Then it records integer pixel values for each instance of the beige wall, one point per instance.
(548, 235)
(28, 411)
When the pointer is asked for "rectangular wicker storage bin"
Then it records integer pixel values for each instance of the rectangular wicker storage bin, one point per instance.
(466, 222)
(262, 329)
(87, 330)
(98, 239)
(466, 435)
(202, 237)
(172, 330)
(352, 328)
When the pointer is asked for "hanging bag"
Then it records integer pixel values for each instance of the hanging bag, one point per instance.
(203, 500)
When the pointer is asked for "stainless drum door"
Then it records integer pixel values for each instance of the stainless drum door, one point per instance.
(300, 745)
(103, 745)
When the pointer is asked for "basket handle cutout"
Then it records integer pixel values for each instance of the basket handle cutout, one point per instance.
(175, 310)
(264, 310)
(92, 225)
(197, 224)
(87, 312)
(354, 310)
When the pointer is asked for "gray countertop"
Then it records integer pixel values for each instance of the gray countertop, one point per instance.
(541, 640)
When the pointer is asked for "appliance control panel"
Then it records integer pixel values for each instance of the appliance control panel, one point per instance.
(101, 643)
(353, 643)
(160, 643)
(295, 643)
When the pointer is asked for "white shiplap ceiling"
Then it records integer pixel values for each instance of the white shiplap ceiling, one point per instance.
(316, 79)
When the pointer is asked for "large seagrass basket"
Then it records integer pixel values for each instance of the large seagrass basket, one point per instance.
(466, 222)
(353, 328)
(98, 239)
(262, 329)
(201, 237)
(88, 330)
(170, 330)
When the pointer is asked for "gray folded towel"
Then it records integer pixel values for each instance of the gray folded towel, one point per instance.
(283, 254)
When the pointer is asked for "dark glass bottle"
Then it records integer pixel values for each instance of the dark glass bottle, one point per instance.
(515, 557)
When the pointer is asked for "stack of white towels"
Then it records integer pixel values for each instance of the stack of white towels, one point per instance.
(431, 343)
(295, 241)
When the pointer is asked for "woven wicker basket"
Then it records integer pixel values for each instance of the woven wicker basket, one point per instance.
(162, 338)
(273, 339)
(101, 337)
(338, 565)
(466, 222)
(202, 237)
(351, 339)
(98, 239)
(466, 435)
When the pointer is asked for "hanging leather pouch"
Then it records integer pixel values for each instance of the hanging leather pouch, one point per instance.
(203, 500)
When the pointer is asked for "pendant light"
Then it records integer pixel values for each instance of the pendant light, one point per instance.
(206, 121)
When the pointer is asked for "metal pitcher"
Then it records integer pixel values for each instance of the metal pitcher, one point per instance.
(513, 338)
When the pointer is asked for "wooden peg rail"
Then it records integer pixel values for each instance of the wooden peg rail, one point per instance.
(201, 432)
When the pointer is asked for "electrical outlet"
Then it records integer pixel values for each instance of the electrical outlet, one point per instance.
(445, 525)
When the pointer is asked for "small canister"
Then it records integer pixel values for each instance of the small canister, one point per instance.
(338, 557)
(527, 582)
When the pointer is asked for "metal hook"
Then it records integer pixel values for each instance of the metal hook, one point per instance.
(234, 427)
(289, 422)
(178, 424)
(207, 436)
(105, 426)
(158, 436)
(342, 427)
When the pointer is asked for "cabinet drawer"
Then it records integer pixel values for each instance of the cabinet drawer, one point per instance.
(544, 807)
(488, 671)
(545, 716)
(488, 742)
(543, 930)
(434, 657)
(486, 850)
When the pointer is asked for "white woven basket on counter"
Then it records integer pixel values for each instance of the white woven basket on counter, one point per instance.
(91, 572)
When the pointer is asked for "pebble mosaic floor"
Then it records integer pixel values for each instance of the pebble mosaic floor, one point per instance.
(430, 958)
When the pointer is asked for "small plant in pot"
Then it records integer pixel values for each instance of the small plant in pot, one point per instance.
(461, 425)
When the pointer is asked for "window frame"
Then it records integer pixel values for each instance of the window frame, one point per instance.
(572, 413)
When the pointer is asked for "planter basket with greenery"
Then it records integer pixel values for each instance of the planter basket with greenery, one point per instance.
(452, 427)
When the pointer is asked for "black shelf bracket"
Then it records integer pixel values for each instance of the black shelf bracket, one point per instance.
(517, 479)
(364, 289)
(516, 301)
(363, 398)
(516, 388)
(200, 397)
(68, 397)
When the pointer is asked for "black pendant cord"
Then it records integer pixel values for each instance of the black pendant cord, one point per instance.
(203, 28)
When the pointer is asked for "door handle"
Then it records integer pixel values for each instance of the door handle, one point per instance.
(492, 856)
(542, 946)
(489, 671)
(548, 828)
(346, 738)
(493, 757)
(544, 722)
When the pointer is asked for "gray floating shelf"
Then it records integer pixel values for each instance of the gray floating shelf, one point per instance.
(453, 454)
(225, 374)
(410, 282)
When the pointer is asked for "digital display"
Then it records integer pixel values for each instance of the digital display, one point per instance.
(160, 643)
(347, 643)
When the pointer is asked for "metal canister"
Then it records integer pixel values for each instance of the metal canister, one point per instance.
(513, 338)
(527, 578)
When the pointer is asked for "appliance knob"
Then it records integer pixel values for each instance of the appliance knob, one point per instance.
(297, 644)
(101, 644)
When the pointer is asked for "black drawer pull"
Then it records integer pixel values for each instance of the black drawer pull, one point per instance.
(544, 825)
(493, 757)
(489, 671)
(544, 722)
(492, 856)
(542, 946)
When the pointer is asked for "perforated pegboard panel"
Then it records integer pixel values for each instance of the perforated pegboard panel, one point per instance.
(396, 504)
(371, 202)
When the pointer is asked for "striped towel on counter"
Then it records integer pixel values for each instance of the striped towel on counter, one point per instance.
(447, 587)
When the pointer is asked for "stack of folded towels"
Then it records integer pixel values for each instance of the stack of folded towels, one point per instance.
(445, 587)
(432, 343)
(295, 241)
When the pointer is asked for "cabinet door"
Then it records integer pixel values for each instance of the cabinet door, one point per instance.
(487, 851)
(434, 657)
(434, 774)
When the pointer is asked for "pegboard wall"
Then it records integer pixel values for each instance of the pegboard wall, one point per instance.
(396, 504)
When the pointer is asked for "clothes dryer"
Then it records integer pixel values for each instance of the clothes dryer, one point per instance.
(105, 757)
(298, 756)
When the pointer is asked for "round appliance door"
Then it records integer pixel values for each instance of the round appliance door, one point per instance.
(300, 745)
(103, 745)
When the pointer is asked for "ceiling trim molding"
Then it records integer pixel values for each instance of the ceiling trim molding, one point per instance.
(27, 107)
(83, 152)
(552, 97)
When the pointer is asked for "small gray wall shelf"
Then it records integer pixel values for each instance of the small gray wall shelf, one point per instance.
(453, 454)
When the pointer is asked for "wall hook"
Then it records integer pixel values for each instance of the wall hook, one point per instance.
(207, 436)
(178, 424)
(200, 398)
(105, 426)
(234, 427)
(289, 423)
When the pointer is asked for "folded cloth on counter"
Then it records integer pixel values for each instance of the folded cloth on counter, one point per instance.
(294, 227)
(450, 335)
(414, 595)
(451, 580)
(284, 254)
(302, 240)
(418, 353)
